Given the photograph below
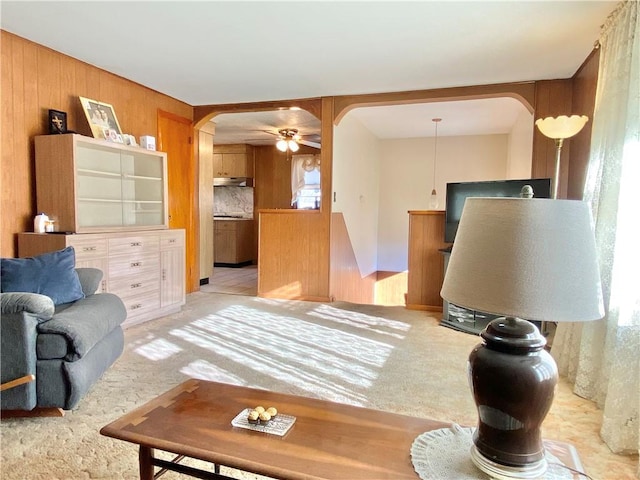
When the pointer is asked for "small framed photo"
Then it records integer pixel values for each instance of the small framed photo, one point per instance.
(57, 122)
(101, 117)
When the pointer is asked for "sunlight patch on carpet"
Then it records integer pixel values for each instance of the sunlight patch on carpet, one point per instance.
(333, 363)
(380, 325)
(158, 349)
(204, 370)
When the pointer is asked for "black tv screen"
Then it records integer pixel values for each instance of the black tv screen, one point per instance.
(458, 192)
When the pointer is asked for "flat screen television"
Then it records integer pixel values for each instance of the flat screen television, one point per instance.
(458, 192)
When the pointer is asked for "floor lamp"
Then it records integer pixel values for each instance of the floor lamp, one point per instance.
(524, 258)
(558, 129)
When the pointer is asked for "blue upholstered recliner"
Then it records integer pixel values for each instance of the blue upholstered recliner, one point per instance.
(67, 345)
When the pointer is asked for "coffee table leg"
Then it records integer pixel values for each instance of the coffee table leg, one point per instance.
(146, 467)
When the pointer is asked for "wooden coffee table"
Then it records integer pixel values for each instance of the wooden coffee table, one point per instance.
(327, 441)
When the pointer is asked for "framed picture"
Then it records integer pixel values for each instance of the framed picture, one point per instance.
(57, 121)
(100, 116)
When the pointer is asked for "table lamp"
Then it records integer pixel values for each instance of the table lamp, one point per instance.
(526, 259)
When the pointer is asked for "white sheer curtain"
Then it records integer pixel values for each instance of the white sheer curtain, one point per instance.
(603, 358)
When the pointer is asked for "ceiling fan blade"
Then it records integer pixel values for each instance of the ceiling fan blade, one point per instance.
(309, 144)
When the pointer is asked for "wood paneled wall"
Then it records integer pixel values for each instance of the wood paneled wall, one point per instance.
(585, 82)
(346, 282)
(36, 79)
(426, 263)
(553, 98)
(294, 255)
(205, 155)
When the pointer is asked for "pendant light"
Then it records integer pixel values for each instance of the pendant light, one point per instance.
(433, 199)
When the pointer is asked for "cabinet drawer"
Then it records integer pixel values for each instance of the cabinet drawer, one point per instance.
(88, 248)
(171, 239)
(133, 265)
(225, 225)
(142, 304)
(131, 244)
(129, 286)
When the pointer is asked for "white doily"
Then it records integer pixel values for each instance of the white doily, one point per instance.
(445, 453)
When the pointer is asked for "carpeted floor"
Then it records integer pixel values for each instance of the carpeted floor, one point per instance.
(387, 358)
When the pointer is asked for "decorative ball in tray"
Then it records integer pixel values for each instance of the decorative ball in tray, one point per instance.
(261, 416)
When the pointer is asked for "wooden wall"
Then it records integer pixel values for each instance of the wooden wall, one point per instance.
(426, 263)
(346, 282)
(294, 255)
(36, 79)
(585, 82)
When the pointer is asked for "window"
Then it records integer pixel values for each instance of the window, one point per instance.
(305, 181)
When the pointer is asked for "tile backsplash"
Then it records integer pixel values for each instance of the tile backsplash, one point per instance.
(233, 200)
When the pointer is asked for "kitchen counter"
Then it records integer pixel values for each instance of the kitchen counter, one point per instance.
(234, 243)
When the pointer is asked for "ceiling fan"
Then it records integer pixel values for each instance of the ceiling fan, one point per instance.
(290, 139)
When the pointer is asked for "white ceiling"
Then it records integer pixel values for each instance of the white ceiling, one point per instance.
(214, 52)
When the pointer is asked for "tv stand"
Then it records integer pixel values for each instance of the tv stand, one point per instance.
(464, 319)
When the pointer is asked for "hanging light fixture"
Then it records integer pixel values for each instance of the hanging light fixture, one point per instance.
(433, 199)
(288, 140)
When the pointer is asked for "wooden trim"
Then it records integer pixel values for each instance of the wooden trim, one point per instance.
(17, 382)
(426, 308)
(204, 113)
(426, 212)
(306, 298)
(288, 211)
(36, 412)
(523, 92)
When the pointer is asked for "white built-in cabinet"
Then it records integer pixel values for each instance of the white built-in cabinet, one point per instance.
(109, 202)
(92, 185)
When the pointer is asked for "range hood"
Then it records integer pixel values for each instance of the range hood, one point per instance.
(233, 182)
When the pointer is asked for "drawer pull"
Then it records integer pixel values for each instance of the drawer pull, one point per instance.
(164, 274)
(88, 249)
(173, 240)
(136, 285)
(136, 306)
(136, 264)
(136, 244)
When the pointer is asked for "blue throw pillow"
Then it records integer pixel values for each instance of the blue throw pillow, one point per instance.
(51, 274)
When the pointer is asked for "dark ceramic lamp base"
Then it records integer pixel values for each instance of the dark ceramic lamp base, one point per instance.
(497, 471)
(513, 381)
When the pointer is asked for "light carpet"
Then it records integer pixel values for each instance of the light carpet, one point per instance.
(386, 358)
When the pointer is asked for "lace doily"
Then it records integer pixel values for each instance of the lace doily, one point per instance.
(444, 453)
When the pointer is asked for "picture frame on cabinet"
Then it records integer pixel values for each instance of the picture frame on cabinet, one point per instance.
(101, 117)
(57, 122)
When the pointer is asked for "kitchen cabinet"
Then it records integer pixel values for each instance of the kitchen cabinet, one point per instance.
(233, 242)
(91, 185)
(146, 269)
(233, 161)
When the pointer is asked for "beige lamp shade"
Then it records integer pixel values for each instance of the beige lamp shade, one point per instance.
(562, 126)
(529, 258)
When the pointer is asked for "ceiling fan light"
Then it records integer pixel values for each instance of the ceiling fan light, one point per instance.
(293, 146)
(281, 145)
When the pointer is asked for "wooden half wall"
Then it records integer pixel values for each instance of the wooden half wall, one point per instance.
(36, 79)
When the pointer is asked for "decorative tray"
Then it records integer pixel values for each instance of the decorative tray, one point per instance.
(278, 425)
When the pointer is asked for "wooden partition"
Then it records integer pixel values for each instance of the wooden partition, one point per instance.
(347, 284)
(426, 263)
(36, 79)
(294, 255)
